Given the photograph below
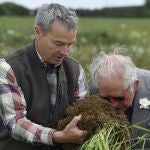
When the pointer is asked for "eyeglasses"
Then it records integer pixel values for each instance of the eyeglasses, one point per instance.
(116, 98)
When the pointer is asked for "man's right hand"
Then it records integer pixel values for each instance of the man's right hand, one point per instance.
(71, 133)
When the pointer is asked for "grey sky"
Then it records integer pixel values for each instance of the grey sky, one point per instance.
(91, 4)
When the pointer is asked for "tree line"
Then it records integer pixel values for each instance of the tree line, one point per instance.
(11, 9)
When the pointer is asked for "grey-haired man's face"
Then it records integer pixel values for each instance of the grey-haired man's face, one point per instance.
(55, 45)
(114, 91)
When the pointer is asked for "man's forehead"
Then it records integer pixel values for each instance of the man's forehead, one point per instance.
(112, 82)
(112, 87)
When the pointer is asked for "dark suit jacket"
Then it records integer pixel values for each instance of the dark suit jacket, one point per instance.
(141, 117)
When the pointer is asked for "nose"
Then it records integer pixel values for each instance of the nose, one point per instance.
(65, 50)
(114, 103)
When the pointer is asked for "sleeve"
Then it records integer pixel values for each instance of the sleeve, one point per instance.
(81, 90)
(13, 110)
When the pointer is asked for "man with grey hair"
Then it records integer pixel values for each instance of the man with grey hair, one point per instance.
(117, 80)
(38, 82)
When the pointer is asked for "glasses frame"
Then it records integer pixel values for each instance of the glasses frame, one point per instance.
(116, 98)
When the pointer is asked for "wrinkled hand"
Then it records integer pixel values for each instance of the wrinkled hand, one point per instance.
(71, 133)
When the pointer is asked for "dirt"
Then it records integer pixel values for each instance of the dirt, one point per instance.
(95, 112)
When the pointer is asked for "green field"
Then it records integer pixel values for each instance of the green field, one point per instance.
(94, 35)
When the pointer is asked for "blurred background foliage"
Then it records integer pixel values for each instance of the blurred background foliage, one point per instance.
(105, 32)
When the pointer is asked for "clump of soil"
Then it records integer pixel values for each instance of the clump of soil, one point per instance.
(95, 113)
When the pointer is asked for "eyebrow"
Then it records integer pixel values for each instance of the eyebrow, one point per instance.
(60, 42)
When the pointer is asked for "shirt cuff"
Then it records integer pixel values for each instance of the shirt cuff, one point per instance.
(46, 136)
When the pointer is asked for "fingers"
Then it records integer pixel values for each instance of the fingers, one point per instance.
(75, 121)
(77, 118)
(83, 137)
(73, 133)
(84, 134)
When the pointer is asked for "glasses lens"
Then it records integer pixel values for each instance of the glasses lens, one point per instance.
(121, 98)
(108, 98)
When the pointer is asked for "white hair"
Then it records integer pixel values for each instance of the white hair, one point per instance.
(113, 65)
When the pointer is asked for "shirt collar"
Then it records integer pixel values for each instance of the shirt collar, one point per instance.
(43, 62)
(40, 56)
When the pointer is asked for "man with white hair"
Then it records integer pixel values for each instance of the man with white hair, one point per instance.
(126, 87)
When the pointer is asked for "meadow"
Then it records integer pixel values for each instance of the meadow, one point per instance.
(131, 36)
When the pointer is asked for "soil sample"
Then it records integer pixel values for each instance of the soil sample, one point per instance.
(95, 113)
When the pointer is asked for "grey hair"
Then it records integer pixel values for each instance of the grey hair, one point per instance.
(48, 13)
(113, 65)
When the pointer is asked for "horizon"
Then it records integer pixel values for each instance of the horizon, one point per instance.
(76, 4)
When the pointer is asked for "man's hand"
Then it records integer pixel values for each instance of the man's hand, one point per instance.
(71, 133)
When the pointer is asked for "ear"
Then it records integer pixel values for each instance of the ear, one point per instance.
(37, 32)
(136, 85)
